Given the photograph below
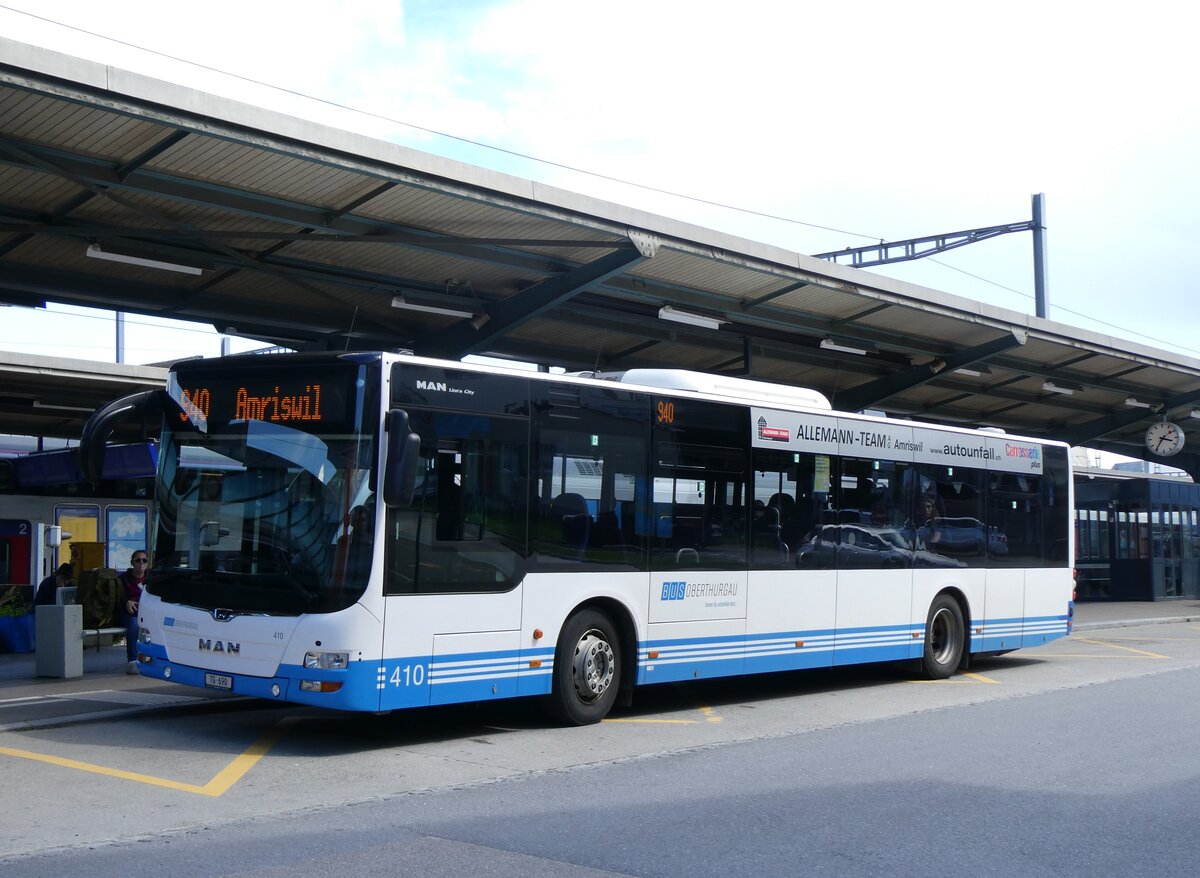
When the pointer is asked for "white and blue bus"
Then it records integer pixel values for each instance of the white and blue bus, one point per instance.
(372, 532)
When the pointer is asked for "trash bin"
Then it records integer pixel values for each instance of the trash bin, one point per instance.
(59, 641)
(16, 633)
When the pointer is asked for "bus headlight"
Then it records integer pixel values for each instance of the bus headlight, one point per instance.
(328, 661)
(144, 636)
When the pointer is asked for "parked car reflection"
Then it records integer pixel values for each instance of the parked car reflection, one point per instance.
(962, 536)
(862, 547)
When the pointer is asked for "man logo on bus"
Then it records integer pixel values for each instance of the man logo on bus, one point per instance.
(226, 646)
(775, 434)
(431, 385)
(674, 591)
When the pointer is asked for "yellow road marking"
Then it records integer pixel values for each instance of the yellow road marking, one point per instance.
(1144, 652)
(665, 722)
(710, 715)
(1093, 656)
(1184, 639)
(224, 779)
(981, 678)
(977, 677)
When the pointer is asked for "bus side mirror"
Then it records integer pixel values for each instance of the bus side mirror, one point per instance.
(100, 426)
(403, 450)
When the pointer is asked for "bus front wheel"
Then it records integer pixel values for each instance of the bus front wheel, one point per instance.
(587, 669)
(944, 638)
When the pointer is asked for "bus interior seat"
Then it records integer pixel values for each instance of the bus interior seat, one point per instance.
(627, 510)
(767, 532)
(688, 533)
(785, 503)
(607, 531)
(576, 521)
(790, 524)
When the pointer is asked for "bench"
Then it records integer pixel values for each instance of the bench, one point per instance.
(68, 594)
(101, 632)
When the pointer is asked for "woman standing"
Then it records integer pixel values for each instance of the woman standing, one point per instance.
(133, 579)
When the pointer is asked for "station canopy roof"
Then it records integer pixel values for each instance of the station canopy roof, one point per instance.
(200, 208)
(53, 396)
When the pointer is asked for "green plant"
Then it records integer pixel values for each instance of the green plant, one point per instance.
(12, 604)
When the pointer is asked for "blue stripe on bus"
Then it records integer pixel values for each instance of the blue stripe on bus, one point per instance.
(414, 681)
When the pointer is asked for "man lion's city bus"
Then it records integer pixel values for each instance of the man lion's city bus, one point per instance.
(371, 532)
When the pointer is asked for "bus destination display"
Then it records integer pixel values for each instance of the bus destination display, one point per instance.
(320, 401)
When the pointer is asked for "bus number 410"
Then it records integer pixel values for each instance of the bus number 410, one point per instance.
(408, 675)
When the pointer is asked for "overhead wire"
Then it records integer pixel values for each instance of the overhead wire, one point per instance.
(185, 326)
(552, 163)
(465, 140)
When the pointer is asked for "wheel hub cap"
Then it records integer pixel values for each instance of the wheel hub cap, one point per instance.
(593, 667)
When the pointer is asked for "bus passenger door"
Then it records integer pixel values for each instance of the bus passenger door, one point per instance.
(874, 561)
(454, 561)
(1014, 544)
(699, 556)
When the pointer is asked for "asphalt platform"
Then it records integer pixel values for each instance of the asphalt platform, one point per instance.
(106, 691)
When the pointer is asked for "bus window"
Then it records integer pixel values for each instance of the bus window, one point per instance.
(699, 508)
(465, 529)
(1015, 519)
(876, 531)
(949, 517)
(782, 513)
(1056, 497)
(590, 481)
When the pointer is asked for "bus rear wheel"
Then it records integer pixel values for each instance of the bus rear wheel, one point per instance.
(944, 638)
(587, 669)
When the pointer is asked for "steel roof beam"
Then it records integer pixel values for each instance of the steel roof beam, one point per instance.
(88, 171)
(82, 198)
(1085, 433)
(789, 319)
(1188, 461)
(866, 395)
(1000, 391)
(49, 166)
(1055, 373)
(467, 336)
(633, 319)
(17, 284)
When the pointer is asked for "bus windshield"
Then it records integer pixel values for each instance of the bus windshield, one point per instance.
(265, 501)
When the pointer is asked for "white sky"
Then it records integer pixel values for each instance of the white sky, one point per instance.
(883, 119)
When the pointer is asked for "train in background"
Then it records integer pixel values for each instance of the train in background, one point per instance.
(45, 488)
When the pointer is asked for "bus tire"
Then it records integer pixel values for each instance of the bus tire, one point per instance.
(944, 638)
(587, 669)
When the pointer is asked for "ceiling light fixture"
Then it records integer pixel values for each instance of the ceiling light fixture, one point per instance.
(38, 404)
(403, 303)
(97, 252)
(974, 371)
(667, 312)
(1051, 387)
(1135, 403)
(830, 345)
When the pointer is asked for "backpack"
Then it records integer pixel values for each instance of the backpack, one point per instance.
(99, 593)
